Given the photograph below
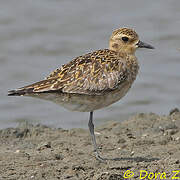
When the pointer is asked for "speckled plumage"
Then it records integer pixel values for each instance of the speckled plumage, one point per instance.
(94, 80)
(91, 74)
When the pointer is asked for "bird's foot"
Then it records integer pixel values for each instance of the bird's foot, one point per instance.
(99, 158)
(103, 159)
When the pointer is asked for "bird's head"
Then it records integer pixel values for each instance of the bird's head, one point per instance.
(126, 40)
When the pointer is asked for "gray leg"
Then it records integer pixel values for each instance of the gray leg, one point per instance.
(91, 129)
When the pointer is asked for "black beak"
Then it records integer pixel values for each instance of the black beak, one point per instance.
(141, 44)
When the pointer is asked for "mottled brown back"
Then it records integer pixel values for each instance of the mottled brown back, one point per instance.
(93, 73)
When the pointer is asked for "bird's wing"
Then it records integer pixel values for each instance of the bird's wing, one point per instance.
(89, 74)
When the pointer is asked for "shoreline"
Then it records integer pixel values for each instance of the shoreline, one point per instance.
(146, 145)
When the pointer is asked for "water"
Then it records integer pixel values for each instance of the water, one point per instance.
(38, 36)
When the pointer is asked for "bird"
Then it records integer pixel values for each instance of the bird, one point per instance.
(92, 81)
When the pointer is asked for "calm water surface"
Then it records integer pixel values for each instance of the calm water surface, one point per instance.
(38, 36)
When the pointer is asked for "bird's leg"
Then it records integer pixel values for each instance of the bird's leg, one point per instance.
(91, 129)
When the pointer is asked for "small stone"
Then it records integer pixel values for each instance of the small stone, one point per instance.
(121, 141)
(97, 133)
(17, 151)
(144, 135)
(175, 110)
(59, 157)
(177, 161)
(44, 146)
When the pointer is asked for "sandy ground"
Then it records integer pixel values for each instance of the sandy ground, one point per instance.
(147, 145)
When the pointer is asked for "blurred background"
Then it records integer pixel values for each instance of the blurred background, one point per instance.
(39, 36)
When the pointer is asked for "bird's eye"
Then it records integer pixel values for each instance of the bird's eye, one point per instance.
(125, 39)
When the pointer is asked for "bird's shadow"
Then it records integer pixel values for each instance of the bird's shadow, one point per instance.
(136, 159)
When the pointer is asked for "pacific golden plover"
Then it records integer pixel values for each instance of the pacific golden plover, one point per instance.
(94, 80)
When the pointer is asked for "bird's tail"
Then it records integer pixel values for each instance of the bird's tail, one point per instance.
(19, 92)
(38, 87)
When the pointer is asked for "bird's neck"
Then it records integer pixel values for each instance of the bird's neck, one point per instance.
(131, 63)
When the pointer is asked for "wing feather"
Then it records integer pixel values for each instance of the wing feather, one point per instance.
(90, 74)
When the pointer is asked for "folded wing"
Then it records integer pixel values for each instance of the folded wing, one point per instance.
(90, 74)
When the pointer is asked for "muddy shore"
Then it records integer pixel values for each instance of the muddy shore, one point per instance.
(146, 145)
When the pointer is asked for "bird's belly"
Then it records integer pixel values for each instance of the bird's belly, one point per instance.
(85, 103)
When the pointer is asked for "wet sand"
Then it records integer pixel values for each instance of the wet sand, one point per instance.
(145, 142)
